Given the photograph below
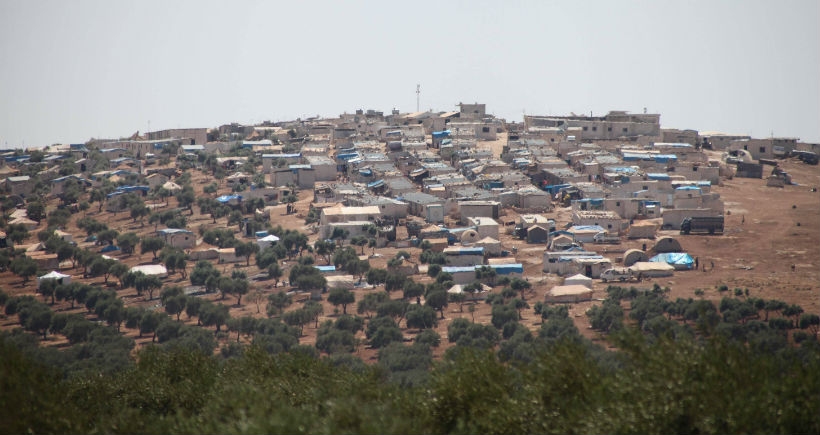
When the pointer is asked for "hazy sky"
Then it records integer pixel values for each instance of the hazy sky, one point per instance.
(72, 70)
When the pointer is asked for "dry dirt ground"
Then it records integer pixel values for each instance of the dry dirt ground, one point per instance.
(771, 246)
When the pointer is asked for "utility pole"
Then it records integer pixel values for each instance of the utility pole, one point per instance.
(418, 92)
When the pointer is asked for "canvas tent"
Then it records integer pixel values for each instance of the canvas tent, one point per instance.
(678, 260)
(632, 256)
(578, 280)
(652, 270)
(667, 244)
(340, 282)
(569, 294)
(266, 241)
(151, 269)
(61, 278)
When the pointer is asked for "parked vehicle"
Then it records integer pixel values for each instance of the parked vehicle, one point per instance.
(604, 238)
(709, 225)
(617, 274)
(807, 157)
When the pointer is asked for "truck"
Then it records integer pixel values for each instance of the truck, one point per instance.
(605, 238)
(702, 224)
(617, 274)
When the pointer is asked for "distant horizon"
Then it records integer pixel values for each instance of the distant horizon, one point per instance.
(92, 68)
(387, 112)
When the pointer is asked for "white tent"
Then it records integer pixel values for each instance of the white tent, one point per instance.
(651, 269)
(569, 294)
(579, 280)
(458, 288)
(60, 277)
(266, 241)
(171, 186)
(151, 269)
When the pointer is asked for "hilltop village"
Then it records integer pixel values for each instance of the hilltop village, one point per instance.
(355, 232)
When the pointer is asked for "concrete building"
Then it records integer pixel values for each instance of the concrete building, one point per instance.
(300, 175)
(766, 148)
(178, 238)
(608, 220)
(195, 136)
(426, 206)
(614, 125)
(486, 227)
(488, 209)
(346, 214)
(388, 207)
(19, 185)
(324, 168)
(464, 256)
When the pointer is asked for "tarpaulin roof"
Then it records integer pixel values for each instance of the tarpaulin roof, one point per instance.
(440, 134)
(577, 228)
(679, 260)
(227, 198)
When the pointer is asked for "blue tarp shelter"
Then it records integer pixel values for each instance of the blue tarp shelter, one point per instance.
(678, 260)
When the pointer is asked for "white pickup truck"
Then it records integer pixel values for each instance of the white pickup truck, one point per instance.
(605, 238)
(617, 274)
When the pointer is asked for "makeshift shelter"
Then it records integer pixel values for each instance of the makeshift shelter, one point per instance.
(438, 245)
(346, 282)
(228, 255)
(643, 230)
(151, 269)
(469, 236)
(646, 269)
(501, 260)
(203, 251)
(632, 256)
(578, 280)
(585, 233)
(569, 294)
(26, 222)
(537, 234)
(266, 241)
(171, 186)
(678, 260)
(491, 246)
(561, 242)
(459, 288)
(61, 278)
(667, 244)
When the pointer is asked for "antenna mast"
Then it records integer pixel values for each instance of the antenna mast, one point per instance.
(418, 91)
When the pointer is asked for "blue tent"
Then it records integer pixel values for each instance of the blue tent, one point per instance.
(679, 260)
(224, 199)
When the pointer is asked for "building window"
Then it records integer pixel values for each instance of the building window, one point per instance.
(625, 129)
(762, 149)
(645, 187)
(552, 139)
(485, 129)
(586, 128)
(609, 129)
(609, 226)
(594, 128)
(617, 203)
